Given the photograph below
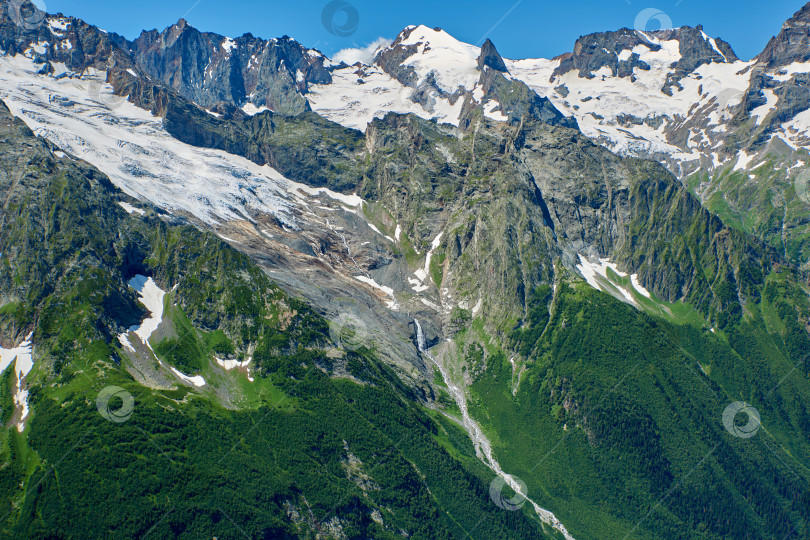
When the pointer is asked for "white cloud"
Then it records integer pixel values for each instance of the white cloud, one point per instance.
(363, 54)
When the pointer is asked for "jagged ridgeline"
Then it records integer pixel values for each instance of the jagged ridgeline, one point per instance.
(291, 461)
(613, 412)
(462, 245)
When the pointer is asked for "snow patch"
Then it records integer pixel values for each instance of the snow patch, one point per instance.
(131, 209)
(196, 380)
(433, 246)
(228, 45)
(58, 26)
(387, 290)
(22, 357)
(232, 364)
(590, 270)
(417, 285)
(742, 161)
(759, 113)
(494, 115)
(638, 287)
(21, 353)
(151, 296)
(250, 109)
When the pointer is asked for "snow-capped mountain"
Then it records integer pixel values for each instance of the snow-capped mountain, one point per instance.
(429, 73)
(436, 255)
(678, 96)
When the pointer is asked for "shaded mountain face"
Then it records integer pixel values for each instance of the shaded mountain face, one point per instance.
(489, 57)
(467, 289)
(791, 44)
(210, 69)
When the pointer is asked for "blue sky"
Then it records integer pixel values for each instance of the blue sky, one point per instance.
(519, 29)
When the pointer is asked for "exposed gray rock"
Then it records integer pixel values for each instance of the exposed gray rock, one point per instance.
(597, 50)
(489, 57)
(602, 49)
(792, 44)
(209, 68)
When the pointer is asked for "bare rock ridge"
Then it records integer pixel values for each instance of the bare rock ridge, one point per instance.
(489, 57)
(209, 68)
(792, 44)
(620, 52)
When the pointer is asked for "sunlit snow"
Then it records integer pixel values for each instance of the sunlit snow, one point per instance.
(22, 357)
(151, 296)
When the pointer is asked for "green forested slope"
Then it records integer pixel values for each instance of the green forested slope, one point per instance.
(312, 453)
(617, 423)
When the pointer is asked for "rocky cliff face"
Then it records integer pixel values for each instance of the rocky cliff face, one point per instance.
(305, 147)
(65, 40)
(211, 69)
(513, 200)
(620, 51)
(792, 44)
(207, 68)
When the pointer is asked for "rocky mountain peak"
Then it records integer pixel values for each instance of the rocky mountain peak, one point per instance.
(617, 50)
(421, 55)
(489, 57)
(696, 47)
(211, 69)
(792, 44)
(176, 31)
(624, 50)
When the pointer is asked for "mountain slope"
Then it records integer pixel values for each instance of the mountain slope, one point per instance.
(160, 471)
(472, 289)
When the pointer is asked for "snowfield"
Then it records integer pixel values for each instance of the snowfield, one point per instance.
(151, 296)
(22, 357)
(131, 146)
(596, 275)
(197, 380)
